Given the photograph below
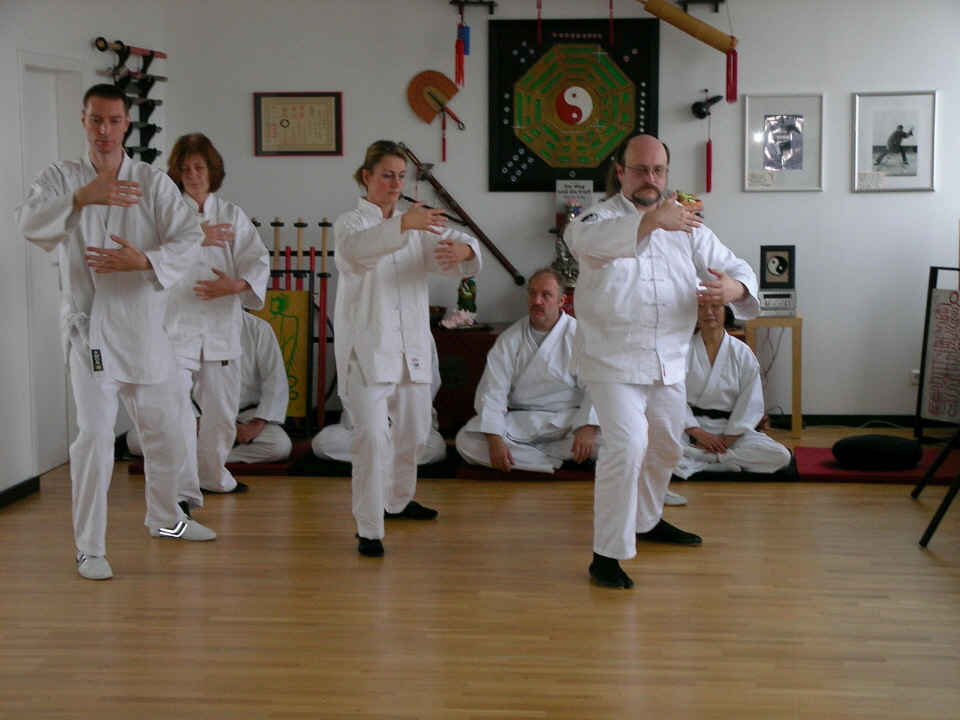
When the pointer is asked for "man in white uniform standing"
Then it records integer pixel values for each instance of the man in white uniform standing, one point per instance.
(645, 263)
(532, 411)
(725, 405)
(124, 236)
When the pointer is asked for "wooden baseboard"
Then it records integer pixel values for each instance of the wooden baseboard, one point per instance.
(19, 491)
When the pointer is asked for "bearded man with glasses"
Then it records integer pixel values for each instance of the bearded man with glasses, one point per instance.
(646, 261)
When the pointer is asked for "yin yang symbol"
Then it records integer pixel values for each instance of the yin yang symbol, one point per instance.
(777, 265)
(574, 105)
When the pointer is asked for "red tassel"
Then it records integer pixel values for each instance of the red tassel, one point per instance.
(709, 165)
(731, 76)
(611, 23)
(458, 74)
(539, 22)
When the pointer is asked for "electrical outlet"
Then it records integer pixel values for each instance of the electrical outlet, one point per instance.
(914, 377)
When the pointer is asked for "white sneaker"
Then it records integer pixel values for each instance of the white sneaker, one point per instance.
(185, 530)
(672, 498)
(94, 567)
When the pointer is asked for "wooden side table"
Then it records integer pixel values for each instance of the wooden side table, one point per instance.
(463, 357)
(796, 334)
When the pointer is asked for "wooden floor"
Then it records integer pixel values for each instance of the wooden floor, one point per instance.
(805, 601)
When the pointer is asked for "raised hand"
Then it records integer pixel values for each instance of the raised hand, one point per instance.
(221, 287)
(124, 259)
(104, 190)
(216, 235)
(722, 291)
(449, 254)
(420, 217)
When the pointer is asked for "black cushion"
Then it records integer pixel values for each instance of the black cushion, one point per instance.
(877, 452)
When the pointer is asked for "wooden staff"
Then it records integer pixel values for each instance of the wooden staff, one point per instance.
(276, 225)
(689, 24)
(322, 334)
(423, 171)
(299, 225)
(286, 283)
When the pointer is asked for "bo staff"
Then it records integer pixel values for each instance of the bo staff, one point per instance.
(423, 172)
(322, 334)
(276, 225)
(299, 225)
(689, 24)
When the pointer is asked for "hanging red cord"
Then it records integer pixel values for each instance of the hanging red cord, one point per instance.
(709, 165)
(539, 21)
(443, 133)
(611, 22)
(732, 75)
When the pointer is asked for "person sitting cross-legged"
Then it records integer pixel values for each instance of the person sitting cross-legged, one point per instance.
(533, 413)
(725, 405)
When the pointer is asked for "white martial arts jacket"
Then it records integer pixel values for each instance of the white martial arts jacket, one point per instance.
(529, 393)
(212, 327)
(732, 384)
(264, 390)
(118, 317)
(636, 300)
(382, 303)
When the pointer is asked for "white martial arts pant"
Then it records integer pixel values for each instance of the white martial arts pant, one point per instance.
(216, 390)
(385, 453)
(271, 445)
(333, 443)
(156, 411)
(752, 452)
(642, 428)
(544, 455)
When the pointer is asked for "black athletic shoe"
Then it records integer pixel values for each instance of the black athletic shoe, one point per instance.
(413, 511)
(666, 534)
(606, 572)
(369, 548)
(240, 488)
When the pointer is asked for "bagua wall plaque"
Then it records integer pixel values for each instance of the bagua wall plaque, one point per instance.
(560, 107)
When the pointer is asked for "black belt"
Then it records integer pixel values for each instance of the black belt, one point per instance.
(712, 414)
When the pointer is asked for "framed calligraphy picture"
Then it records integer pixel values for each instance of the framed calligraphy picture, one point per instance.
(298, 123)
(564, 96)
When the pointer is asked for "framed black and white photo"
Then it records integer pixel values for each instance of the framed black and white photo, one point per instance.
(894, 141)
(783, 143)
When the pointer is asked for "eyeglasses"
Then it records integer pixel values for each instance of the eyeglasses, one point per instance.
(660, 171)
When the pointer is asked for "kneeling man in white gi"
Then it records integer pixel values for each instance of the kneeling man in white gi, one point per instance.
(533, 413)
(725, 405)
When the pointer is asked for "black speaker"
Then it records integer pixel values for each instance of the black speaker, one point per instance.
(778, 266)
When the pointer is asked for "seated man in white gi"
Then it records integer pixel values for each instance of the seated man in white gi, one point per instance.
(725, 405)
(333, 441)
(264, 393)
(532, 411)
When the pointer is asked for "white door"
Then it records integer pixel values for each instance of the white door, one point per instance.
(51, 97)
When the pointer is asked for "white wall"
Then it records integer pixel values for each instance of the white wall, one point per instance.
(862, 258)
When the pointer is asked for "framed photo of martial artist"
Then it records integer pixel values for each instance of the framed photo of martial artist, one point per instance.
(777, 266)
(563, 94)
(290, 123)
(783, 143)
(894, 139)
